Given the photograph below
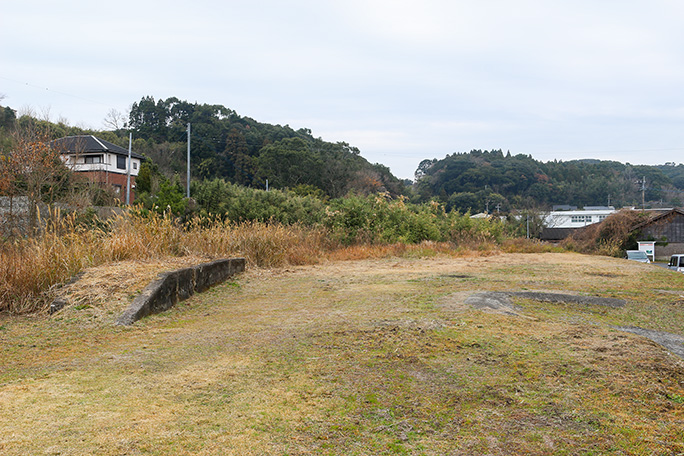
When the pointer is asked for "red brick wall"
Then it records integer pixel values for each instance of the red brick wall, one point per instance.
(111, 179)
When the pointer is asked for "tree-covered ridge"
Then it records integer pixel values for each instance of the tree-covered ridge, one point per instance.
(675, 172)
(243, 151)
(484, 179)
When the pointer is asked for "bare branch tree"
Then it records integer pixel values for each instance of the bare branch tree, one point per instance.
(115, 120)
(32, 168)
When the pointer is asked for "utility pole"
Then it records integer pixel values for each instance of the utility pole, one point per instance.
(128, 173)
(643, 194)
(188, 178)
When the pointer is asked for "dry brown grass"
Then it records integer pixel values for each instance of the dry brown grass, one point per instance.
(376, 356)
(523, 245)
(31, 269)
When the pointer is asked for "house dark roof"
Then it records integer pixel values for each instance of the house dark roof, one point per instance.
(85, 144)
(657, 218)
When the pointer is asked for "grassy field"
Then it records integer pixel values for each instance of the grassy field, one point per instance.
(361, 357)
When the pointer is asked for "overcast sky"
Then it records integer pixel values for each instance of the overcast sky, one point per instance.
(402, 80)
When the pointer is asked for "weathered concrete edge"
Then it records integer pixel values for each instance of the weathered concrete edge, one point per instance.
(674, 343)
(574, 299)
(172, 287)
(500, 300)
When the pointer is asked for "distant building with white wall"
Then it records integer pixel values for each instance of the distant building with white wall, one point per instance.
(560, 224)
(578, 218)
(100, 161)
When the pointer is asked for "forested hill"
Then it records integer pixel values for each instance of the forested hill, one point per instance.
(481, 179)
(243, 151)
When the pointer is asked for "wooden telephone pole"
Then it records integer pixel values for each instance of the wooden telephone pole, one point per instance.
(188, 179)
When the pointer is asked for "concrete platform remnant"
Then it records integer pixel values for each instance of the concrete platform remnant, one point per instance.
(172, 287)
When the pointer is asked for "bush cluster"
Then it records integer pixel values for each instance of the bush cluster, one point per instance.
(267, 228)
(376, 219)
(382, 219)
(239, 204)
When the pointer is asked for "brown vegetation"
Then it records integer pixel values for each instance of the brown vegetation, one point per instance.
(609, 237)
(31, 267)
(378, 356)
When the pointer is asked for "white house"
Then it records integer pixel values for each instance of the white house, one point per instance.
(560, 224)
(99, 160)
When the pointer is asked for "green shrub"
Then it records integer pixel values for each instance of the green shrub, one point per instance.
(381, 219)
(237, 203)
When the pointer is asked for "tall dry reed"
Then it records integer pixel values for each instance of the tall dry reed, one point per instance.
(31, 267)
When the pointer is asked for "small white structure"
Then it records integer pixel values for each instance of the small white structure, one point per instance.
(578, 218)
(649, 248)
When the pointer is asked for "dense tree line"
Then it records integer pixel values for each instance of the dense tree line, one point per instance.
(241, 150)
(489, 179)
(675, 172)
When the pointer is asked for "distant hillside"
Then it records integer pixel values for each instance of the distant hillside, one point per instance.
(247, 152)
(226, 145)
(480, 179)
(244, 151)
(675, 173)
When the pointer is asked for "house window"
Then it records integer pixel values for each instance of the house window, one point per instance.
(135, 165)
(93, 159)
(577, 219)
(120, 162)
(117, 189)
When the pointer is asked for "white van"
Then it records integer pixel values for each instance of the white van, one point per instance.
(676, 263)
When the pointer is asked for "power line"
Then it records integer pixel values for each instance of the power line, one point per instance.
(28, 84)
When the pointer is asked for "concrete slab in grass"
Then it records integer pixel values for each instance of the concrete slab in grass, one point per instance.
(172, 287)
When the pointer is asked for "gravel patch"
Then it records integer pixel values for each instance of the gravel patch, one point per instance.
(575, 299)
(492, 300)
(501, 302)
(672, 342)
